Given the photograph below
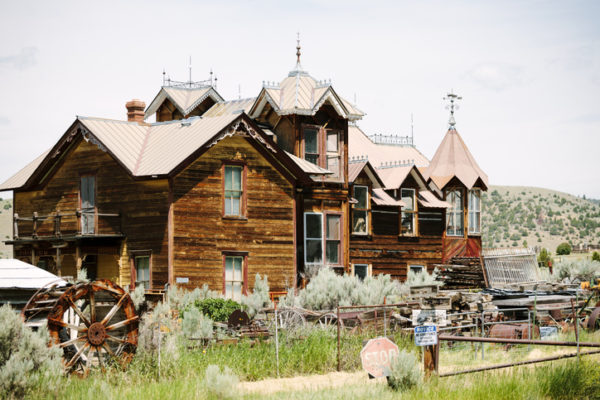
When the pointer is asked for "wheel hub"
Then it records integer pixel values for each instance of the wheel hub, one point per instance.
(96, 334)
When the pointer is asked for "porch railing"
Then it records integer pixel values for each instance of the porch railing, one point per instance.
(63, 224)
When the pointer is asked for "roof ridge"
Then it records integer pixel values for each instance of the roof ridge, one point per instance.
(79, 117)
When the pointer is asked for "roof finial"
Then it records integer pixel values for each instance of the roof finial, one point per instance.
(452, 97)
(298, 48)
(164, 76)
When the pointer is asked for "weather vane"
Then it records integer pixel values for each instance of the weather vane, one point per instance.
(452, 97)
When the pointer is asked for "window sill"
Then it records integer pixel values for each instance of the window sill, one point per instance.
(404, 238)
(364, 236)
(234, 218)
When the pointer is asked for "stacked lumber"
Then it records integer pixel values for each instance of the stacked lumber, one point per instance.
(462, 273)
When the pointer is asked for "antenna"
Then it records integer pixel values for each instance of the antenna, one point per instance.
(239, 92)
(164, 76)
(452, 97)
(412, 132)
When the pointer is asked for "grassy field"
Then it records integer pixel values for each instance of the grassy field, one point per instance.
(183, 374)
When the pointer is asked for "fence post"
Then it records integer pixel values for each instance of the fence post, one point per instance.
(276, 340)
(384, 322)
(339, 365)
(482, 334)
(576, 326)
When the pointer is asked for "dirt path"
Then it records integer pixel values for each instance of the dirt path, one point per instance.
(308, 382)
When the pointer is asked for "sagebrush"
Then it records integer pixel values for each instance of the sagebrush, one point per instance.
(405, 372)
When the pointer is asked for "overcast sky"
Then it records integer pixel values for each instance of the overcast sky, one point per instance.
(529, 72)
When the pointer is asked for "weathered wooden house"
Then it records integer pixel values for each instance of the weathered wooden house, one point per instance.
(216, 191)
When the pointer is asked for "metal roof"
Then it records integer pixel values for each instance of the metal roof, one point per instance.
(230, 107)
(20, 178)
(309, 167)
(185, 99)
(359, 145)
(429, 200)
(381, 198)
(17, 274)
(453, 159)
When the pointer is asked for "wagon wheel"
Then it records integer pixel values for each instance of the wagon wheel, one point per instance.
(288, 320)
(96, 325)
(35, 313)
(327, 320)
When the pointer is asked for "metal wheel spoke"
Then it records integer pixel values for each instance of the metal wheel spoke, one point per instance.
(79, 312)
(114, 310)
(72, 341)
(65, 325)
(77, 355)
(92, 305)
(122, 323)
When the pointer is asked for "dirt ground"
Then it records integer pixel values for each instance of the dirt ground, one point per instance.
(309, 382)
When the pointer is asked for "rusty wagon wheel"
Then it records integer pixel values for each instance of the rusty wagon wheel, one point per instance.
(328, 320)
(288, 320)
(95, 324)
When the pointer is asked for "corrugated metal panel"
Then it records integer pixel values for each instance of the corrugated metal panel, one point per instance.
(381, 198)
(17, 274)
(170, 143)
(354, 170)
(230, 107)
(453, 159)
(308, 167)
(21, 177)
(379, 154)
(394, 177)
(429, 200)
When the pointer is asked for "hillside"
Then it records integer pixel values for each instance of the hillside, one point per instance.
(5, 227)
(515, 215)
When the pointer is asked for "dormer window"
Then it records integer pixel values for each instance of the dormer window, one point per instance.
(409, 212)
(360, 210)
(322, 148)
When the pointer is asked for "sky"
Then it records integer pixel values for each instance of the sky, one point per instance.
(528, 71)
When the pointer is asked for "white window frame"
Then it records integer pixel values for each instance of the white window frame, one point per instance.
(146, 283)
(476, 213)
(230, 283)
(366, 210)
(454, 213)
(412, 267)
(413, 212)
(323, 239)
(306, 239)
(369, 269)
(226, 198)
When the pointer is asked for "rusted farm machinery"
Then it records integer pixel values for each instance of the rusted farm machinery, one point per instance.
(95, 323)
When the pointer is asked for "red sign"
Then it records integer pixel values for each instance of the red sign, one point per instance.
(377, 356)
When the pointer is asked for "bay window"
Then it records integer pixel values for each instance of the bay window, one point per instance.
(455, 216)
(475, 211)
(360, 210)
(409, 212)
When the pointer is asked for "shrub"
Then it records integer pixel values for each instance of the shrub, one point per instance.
(215, 309)
(221, 384)
(180, 298)
(580, 270)
(544, 257)
(563, 249)
(595, 256)
(404, 371)
(422, 278)
(138, 296)
(196, 326)
(259, 298)
(26, 360)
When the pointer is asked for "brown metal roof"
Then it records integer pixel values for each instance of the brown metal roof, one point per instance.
(308, 167)
(20, 178)
(453, 159)
(429, 200)
(354, 169)
(359, 145)
(381, 198)
(185, 99)
(230, 107)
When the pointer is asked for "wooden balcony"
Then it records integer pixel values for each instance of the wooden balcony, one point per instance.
(65, 226)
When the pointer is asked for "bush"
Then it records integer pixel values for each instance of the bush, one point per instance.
(405, 372)
(196, 326)
(580, 270)
(259, 298)
(221, 384)
(180, 298)
(138, 296)
(563, 249)
(26, 360)
(596, 256)
(215, 309)
(544, 257)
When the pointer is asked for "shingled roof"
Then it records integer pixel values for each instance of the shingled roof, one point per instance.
(454, 160)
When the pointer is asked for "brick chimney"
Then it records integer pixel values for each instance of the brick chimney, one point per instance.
(135, 111)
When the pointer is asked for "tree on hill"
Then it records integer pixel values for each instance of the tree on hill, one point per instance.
(563, 249)
(596, 256)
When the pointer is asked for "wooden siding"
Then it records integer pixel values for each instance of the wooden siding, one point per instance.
(201, 234)
(458, 246)
(143, 207)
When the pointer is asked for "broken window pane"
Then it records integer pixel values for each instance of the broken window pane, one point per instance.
(359, 221)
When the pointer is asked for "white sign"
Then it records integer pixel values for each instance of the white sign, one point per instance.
(426, 335)
(548, 332)
(429, 317)
(182, 280)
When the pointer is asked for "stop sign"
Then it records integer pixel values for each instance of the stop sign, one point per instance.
(377, 356)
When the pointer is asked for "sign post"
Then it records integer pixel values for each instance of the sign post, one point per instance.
(426, 336)
(377, 356)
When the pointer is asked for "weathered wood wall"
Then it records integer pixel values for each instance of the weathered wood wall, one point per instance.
(143, 207)
(202, 234)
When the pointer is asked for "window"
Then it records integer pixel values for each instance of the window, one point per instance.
(322, 241)
(360, 211)
(233, 191)
(142, 271)
(475, 211)
(234, 277)
(454, 216)
(415, 269)
(361, 271)
(88, 204)
(322, 148)
(409, 212)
